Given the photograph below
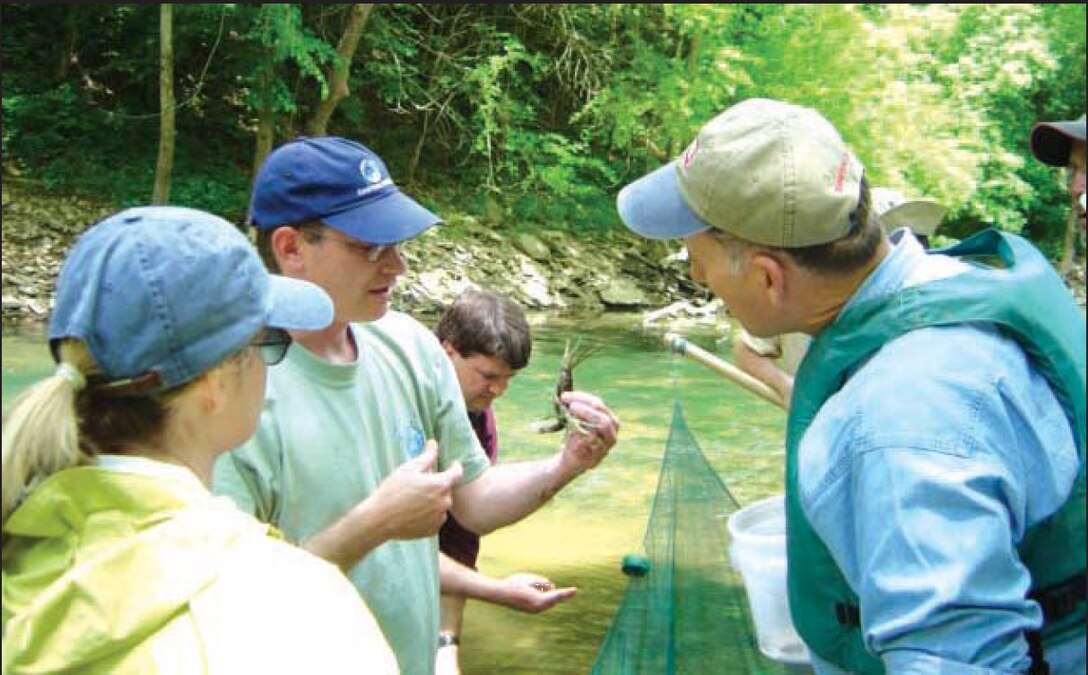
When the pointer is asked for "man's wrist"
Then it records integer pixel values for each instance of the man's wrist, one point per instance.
(563, 469)
(446, 639)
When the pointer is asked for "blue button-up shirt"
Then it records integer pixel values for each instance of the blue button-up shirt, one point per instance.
(922, 474)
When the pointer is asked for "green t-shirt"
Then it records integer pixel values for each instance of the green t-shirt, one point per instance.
(330, 433)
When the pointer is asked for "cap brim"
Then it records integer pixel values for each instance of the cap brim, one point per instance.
(922, 216)
(1052, 141)
(295, 304)
(653, 207)
(391, 219)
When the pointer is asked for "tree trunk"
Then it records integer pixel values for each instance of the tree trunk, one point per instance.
(338, 73)
(265, 137)
(266, 115)
(440, 60)
(164, 167)
(418, 152)
(68, 49)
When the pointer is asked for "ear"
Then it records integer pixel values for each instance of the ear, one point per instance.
(770, 276)
(286, 244)
(214, 389)
(450, 350)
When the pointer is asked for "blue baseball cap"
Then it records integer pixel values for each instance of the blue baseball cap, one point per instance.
(340, 183)
(161, 294)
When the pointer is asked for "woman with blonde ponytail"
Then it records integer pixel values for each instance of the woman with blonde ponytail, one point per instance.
(116, 557)
(41, 436)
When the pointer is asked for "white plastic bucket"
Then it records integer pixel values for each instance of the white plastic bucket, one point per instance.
(758, 552)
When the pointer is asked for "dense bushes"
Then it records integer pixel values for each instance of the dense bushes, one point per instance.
(538, 113)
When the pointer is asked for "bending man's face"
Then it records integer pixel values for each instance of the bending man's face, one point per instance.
(734, 281)
(483, 378)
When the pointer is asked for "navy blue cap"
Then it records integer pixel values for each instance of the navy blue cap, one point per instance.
(340, 183)
(163, 294)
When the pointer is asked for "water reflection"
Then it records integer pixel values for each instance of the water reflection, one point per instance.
(26, 359)
(579, 538)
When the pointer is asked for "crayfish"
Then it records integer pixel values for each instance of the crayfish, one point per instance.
(575, 351)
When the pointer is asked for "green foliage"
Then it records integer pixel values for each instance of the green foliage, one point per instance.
(283, 43)
(536, 114)
(664, 90)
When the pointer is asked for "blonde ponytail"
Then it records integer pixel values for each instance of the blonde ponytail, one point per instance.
(41, 433)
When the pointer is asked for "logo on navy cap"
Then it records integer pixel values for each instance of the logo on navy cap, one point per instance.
(370, 171)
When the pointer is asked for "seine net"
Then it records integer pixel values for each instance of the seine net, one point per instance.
(684, 609)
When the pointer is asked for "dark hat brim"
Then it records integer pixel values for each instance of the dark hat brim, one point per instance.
(1051, 142)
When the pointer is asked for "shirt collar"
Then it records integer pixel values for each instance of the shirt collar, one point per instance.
(145, 466)
(892, 272)
(908, 264)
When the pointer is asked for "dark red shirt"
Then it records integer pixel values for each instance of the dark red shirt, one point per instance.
(453, 539)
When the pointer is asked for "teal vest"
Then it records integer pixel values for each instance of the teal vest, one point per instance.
(1014, 287)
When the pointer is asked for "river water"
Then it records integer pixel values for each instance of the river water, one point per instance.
(579, 538)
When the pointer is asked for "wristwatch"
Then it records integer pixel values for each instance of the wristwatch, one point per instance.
(447, 639)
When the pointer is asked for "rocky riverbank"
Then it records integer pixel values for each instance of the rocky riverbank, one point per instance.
(551, 271)
(547, 271)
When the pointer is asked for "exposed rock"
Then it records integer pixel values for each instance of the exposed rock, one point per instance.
(623, 293)
(553, 270)
(544, 270)
(532, 246)
(683, 309)
(534, 287)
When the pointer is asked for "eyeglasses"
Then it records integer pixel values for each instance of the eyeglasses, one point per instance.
(272, 343)
(371, 253)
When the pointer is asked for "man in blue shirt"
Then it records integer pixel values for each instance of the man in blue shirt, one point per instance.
(930, 542)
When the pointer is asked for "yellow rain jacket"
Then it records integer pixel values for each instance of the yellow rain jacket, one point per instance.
(110, 570)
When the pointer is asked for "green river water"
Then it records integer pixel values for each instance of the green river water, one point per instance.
(581, 536)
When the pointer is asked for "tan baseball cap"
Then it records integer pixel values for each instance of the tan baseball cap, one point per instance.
(765, 171)
(922, 216)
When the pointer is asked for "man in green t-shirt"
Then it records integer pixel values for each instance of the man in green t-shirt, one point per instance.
(364, 443)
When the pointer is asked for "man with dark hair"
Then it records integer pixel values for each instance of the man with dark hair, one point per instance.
(364, 444)
(488, 341)
(952, 538)
(1062, 144)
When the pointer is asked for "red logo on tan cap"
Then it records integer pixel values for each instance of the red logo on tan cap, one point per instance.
(689, 154)
(840, 175)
